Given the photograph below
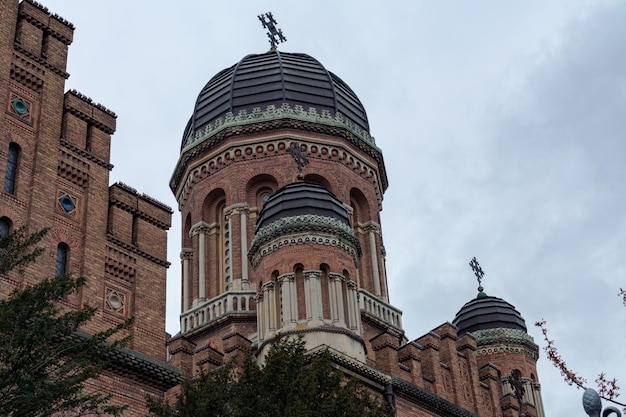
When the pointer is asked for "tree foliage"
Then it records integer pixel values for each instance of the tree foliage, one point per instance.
(289, 384)
(607, 387)
(44, 357)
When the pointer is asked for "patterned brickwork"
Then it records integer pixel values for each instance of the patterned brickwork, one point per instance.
(61, 183)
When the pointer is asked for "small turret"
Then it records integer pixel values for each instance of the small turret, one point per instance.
(502, 340)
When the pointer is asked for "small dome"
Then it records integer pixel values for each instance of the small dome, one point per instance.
(485, 312)
(305, 213)
(274, 78)
(302, 198)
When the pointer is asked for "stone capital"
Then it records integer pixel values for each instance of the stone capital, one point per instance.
(370, 226)
(237, 208)
(286, 277)
(333, 276)
(186, 253)
(312, 274)
(198, 228)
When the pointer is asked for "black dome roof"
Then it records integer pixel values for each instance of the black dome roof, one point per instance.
(485, 312)
(301, 198)
(275, 78)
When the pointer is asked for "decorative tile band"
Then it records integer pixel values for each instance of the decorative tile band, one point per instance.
(303, 229)
(502, 340)
(272, 112)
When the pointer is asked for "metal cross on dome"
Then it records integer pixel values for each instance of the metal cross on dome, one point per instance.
(275, 34)
(298, 156)
(478, 271)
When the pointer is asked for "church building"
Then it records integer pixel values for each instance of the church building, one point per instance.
(280, 186)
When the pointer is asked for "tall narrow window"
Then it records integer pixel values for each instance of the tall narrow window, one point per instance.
(135, 230)
(5, 226)
(61, 262)
(45, 41)
(11, 171)
(227, 269)
(89, 137)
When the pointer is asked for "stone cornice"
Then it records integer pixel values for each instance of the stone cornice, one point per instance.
(272, 113)
(273, 119)
(402, 388)
(41, 61)
(427, 399)
(134, 249)
(88, 155)
(503, 340)
(139, 366)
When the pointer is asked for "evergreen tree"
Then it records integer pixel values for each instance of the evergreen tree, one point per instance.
(289, 384)
(44, 357)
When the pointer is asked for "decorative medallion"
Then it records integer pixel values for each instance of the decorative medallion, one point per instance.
(20, 107)
(115, 301)
(67, 203)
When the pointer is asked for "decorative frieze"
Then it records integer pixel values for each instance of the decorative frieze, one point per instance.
(504, 340)
(303, 229)
(242, 152)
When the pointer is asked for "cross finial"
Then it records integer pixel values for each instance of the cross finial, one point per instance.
(275, 34)
(478, 271)
(298, 156)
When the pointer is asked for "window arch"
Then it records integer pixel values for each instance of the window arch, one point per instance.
(63, 252)
(10, 174)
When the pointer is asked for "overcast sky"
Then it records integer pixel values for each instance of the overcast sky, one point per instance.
(502, 124)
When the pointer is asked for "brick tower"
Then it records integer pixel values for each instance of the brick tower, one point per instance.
(280, 188)
(55, 158)
(502, 341)
(237, 153)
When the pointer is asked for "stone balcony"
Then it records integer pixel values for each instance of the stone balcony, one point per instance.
(207, 311)
(380, 310)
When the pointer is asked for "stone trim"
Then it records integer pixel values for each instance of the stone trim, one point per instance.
(427, 399)
(271, 112)
(274, 146)
(141, 367)
(303, 229)
(503, 340)
(277, 122)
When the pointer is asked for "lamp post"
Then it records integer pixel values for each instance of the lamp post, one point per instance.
(593, 405)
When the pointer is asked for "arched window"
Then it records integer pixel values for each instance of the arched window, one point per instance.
(263, 195)
(61, 261)
(5, 226)
(11, 172)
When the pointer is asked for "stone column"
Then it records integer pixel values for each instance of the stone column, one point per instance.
(372, 228)
(243, 213)
(269, 308)
(289, 300)
(354, 316)
(239, 280)
(260, 316)
(186, 255)
(313, 297)
(336, 299)
(201, 229)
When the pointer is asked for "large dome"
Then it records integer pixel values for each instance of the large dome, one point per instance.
(275, 78)
(485, 312)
